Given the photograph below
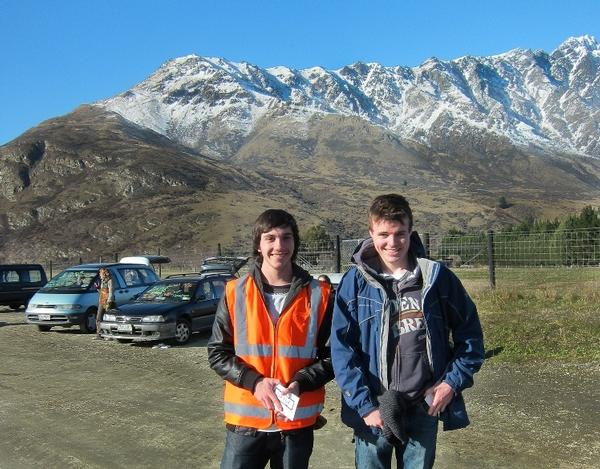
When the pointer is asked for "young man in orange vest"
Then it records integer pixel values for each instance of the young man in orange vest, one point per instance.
(272, 330)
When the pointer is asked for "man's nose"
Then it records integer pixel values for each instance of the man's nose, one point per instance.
(393, 240)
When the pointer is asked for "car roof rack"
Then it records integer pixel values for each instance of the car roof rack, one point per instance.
(222, 273)
(184, 274)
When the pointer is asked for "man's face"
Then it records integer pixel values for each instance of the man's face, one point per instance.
(391, 239)
(277, 248)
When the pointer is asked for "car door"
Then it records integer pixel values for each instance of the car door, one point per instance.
(9, 285)
(205, 303)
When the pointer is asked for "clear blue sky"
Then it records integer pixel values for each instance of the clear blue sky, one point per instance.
(56, 55)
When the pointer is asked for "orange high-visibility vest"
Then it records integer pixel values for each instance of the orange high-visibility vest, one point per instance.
(275, 351)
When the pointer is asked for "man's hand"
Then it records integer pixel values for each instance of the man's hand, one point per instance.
(442, 394)
(293, 388)
(264, 392)
(374, 419)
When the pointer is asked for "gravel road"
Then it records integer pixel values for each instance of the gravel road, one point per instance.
(70, 402)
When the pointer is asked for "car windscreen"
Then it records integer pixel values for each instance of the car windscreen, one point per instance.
(71, 281)
(172, 292)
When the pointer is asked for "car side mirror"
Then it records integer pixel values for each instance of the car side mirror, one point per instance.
(201, 297)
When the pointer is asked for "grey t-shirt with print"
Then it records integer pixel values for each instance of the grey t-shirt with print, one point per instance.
(410, 372)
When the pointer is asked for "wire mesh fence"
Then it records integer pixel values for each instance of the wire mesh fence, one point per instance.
(560, 248)
(495, 252)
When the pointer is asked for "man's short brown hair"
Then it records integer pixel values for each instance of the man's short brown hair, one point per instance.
(390, 207)
(274, 218)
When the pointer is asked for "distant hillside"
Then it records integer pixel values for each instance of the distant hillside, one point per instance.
(189, 157)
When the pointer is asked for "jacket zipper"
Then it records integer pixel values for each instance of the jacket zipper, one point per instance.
(428, 283)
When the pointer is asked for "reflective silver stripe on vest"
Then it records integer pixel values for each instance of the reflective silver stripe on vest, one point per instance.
(308, 411)
(243, 348)
(261, 412)
(247, 410)
(309, 350)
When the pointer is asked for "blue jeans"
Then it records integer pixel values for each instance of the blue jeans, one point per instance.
(251, 449)
(374, 451)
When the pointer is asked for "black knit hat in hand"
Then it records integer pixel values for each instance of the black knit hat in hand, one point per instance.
(392, 408)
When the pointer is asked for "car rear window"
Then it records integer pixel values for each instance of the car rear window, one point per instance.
(20, 275)
(137, 276)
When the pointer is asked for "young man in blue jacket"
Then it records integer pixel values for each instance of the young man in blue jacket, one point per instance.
(405, 342)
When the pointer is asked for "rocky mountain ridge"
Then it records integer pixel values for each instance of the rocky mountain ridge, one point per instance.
(546, 102)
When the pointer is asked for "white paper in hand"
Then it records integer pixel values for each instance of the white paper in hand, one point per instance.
(289, 402)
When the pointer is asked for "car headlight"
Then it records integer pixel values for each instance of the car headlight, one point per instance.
(68, 306)
(157, 318)
(109, 317)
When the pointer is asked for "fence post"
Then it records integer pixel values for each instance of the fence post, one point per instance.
(159, 265)
(426, 245)
(80, 260)
(50, 268)
(116, 257)
(491, 264)
(338, 255)
(219, 250)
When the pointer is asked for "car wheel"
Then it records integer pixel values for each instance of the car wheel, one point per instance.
(43, 328)
(15, 307)
(88, 326)
(183, 331)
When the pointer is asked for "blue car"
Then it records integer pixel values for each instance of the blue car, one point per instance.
(71, 297)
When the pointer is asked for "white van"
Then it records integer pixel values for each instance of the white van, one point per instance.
(71, 297)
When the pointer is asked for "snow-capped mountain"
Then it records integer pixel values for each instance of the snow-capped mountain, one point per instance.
(455, 137)
(538, 101)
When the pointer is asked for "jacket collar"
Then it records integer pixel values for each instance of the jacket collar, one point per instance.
(300, 278)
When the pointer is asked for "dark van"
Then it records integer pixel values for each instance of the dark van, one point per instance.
(19, 282)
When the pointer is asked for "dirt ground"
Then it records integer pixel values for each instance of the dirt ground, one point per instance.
(69, 402)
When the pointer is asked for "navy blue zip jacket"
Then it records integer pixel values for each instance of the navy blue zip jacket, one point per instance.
(360, 328)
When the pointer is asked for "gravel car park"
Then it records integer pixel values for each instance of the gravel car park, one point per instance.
(70, 402)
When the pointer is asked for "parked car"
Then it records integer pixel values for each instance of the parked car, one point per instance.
(171, 309)
(19, 282)
(71, 297)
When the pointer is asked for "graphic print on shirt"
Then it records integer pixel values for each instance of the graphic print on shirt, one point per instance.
(410, 372)
(408, 316)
